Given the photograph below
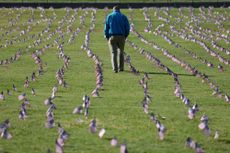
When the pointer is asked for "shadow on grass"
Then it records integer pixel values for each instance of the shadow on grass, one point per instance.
(226, 141)
(159, 73)
(177, 74)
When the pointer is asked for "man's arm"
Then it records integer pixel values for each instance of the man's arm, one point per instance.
(106, 28)
(127, 27)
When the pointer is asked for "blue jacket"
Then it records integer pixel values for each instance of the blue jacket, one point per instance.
(116, 24)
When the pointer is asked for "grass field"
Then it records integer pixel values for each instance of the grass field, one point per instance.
(118, 109)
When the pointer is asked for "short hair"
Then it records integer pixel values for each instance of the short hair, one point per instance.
(117, 8)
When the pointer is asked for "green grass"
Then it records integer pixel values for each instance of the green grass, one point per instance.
(118, 109)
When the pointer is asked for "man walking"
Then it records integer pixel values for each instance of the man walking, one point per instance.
(116, 30)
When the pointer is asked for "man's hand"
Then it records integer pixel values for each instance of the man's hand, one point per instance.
(107, 38)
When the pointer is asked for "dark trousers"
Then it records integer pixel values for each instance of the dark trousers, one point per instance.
(116, 46)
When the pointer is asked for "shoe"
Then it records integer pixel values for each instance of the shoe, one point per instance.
(121, 70)
(115, 71)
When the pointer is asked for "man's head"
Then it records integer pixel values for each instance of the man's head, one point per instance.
(116, 8)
